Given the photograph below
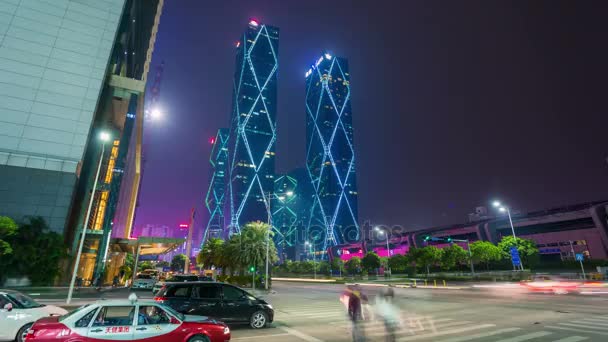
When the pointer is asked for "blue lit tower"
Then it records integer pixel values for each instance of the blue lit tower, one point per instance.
(330, 155)
(253, 130)
(215, 198)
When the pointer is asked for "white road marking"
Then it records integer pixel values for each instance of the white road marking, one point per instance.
(572, 339)
(481, 335)
(577, 330)
(585, 326)
(300, 334)
(526, 337)
(447, 332)
(259, 336)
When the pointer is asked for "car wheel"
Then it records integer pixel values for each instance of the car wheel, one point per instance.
(198, 338)
(22, 332)
(258, 320)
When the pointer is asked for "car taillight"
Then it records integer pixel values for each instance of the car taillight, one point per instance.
(30, 333)
(160, 299)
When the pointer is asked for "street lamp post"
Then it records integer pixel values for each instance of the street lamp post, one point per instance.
(502, 209)
(388, 249)
(314, 258)
(270, 194)
(104, 137)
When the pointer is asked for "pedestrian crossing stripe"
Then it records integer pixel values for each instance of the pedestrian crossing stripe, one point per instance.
(572, 339)
(586, 326)
(447, 332)
(576, 330)
(480, 335)
(526, 337)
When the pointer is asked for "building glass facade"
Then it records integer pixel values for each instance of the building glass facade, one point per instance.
(253, 129)
(330, 155)
(215, 198)
(53, 59)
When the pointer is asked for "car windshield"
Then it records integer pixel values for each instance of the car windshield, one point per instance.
(173, 312)
(71, 313)
(144, 276)
(23, 300)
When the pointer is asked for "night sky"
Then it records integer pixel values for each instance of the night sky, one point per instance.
(454, 102)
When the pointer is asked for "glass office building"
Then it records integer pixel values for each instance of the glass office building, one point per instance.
(330, 155)
(253, 129)
(53, 60)
(216, 193)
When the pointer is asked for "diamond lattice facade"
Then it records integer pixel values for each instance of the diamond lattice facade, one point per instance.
(215, 198)
(253, 129)
(330, 157)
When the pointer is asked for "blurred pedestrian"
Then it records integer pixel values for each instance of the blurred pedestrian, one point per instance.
(386, 309)
(355, 300)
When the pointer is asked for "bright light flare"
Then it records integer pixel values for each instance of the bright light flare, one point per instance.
(156, 114)
(254, 22)
(289, 193)
(502, 209)
(496, 204)
(104, 136)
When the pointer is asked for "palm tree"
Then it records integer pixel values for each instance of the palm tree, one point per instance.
(249, 247)
(212, 253)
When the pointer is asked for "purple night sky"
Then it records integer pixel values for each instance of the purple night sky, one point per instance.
(454, 102)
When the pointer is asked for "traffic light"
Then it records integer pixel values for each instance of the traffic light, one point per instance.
(449, 239)
(427, 238)
(252, 269)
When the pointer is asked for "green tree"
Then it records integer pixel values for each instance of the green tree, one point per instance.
(398, 263)
(485, 252)
(353, 265)
(37, 253)
(8, 228)
(145, 265)
(427, 256)
(248, 248)
(212, 253)
(528, 252)
(178, 262)
(337, 264)
(371, 261)
(452, 256)
(163, 264)
(323, 267)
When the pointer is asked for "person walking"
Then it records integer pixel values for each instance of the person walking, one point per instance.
(389, 313)
(356, 298)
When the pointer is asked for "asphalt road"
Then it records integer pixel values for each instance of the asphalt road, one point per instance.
(312, 312)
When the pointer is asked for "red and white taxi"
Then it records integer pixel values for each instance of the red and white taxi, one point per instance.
(127, 320)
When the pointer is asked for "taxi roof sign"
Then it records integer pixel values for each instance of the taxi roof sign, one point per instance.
(132, 297)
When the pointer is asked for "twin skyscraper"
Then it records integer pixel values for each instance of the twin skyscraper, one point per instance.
(317, 204)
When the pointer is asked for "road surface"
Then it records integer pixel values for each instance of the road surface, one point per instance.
(313, 313)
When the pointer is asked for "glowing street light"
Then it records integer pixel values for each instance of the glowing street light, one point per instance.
(503, 209)
(388, 249)
(104, 137)
(156, 114)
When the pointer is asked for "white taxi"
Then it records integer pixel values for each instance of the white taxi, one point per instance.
(144, 281)
(18, 312)
(127, 320)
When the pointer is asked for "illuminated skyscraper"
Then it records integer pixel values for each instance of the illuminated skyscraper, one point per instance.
(253, 130)
(330, 157)
(215, 198)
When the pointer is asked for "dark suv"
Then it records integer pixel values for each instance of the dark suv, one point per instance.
(217, 300)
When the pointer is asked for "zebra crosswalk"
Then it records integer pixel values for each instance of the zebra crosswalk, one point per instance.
(450, 325)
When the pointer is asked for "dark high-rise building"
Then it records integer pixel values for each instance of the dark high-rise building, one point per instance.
(290, 210)
(215, 198)
(330, 155)
(253, 130)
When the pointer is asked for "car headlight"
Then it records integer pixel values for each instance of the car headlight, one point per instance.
(226, 330)
(269, 306)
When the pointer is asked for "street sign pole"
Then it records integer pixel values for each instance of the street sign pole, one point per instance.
(578, 257)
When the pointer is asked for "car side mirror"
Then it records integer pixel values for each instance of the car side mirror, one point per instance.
(174, 321)
(8, 307)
